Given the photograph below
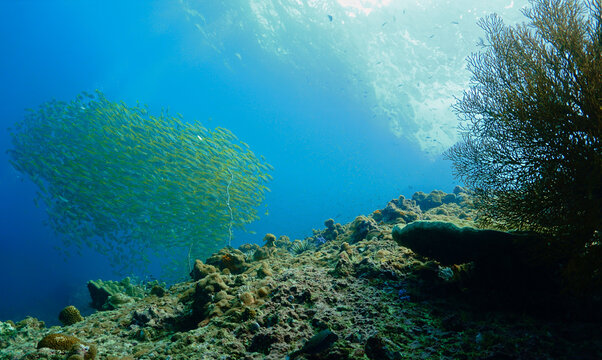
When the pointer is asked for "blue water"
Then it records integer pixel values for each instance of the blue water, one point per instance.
(321, 115)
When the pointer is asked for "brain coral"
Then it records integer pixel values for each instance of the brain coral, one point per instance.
(70, 315)
(58, 342)
(62, 342)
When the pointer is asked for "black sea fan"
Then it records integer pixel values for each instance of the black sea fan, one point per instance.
(531, 144)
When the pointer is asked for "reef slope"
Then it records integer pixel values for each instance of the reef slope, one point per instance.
(346, 292)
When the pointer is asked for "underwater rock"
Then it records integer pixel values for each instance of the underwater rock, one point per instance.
(269, 239)
(7, 328)
(31, 323)
(459, 190)
(82, 352)
(381, 348)
(261, 254)
(7, 333)
(317, 343)
(247, 298)
(426, 202)
(437, 198)
(200, 270)
(205, 294)
(158, 291)
(454, 207)
(117, 300)
(453, 322)
(263, 291)
(452, 213)
(400, 210)
(228, 258)
(263, 341)
(515, 270)
(152, 316)
(70, 315)
(346, 248)
(98, 293)
(245, 248)
(283, 242)
(332, 230)
(360, 227)
(368, 268)
(101, 291)
(450, 244)
(264, 271)
(344, 266)
(419, 197)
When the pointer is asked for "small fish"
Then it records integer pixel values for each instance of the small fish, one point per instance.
(330, 18)
(158, 176)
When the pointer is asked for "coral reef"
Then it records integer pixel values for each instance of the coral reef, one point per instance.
(456, 207)
(360, 295)
(398, 210)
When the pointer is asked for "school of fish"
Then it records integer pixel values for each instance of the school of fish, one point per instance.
(129, 184)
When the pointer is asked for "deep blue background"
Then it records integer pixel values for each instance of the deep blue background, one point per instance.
(330, 158)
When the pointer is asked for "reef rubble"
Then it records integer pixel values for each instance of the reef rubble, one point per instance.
(348, 291)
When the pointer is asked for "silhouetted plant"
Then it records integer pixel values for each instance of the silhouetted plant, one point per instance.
(532, 122)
